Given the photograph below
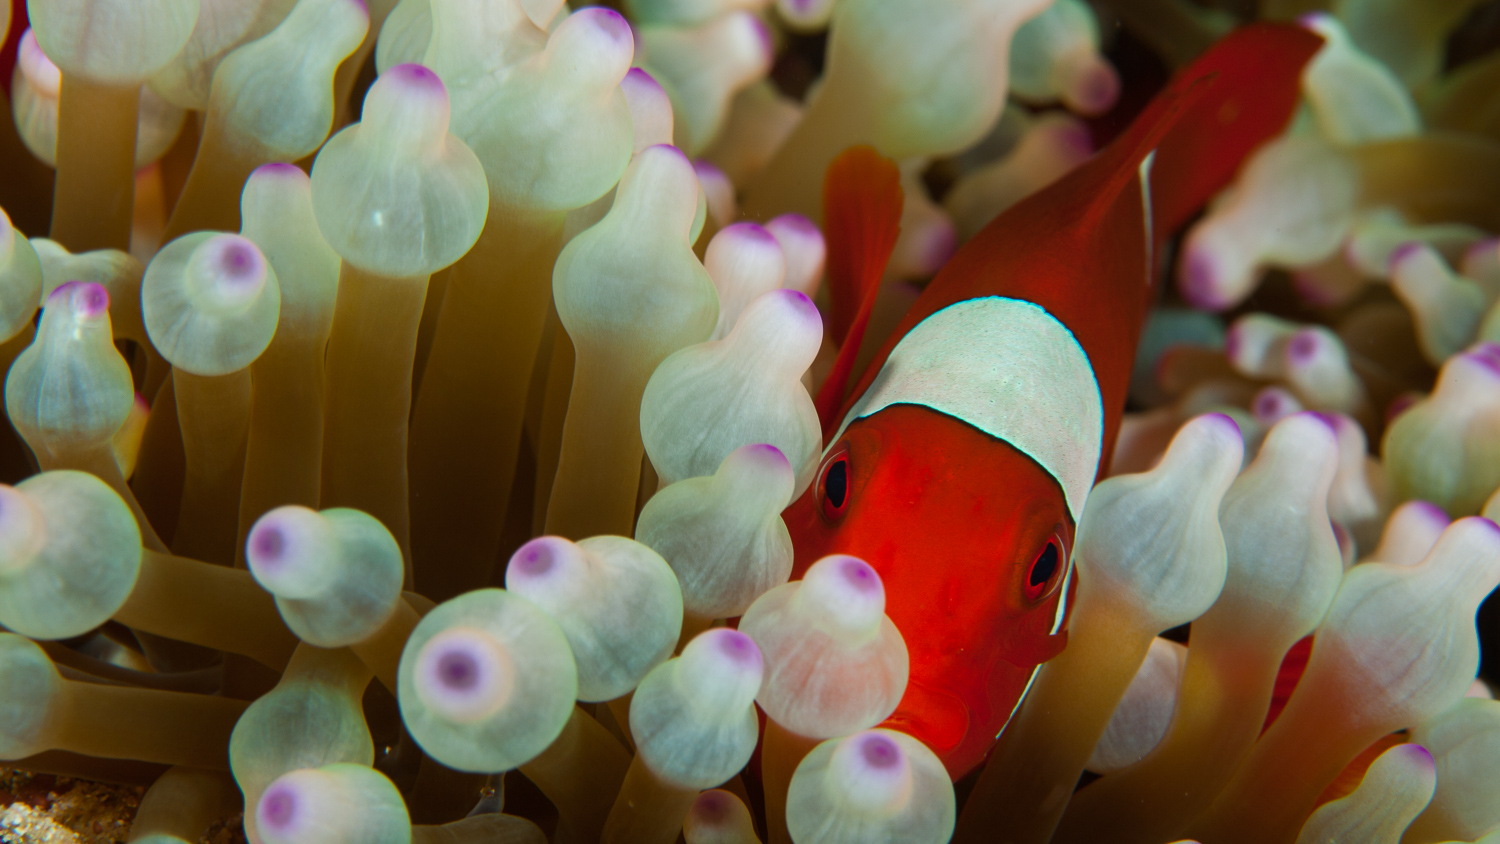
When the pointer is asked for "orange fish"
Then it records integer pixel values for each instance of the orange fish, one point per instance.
(959, 463)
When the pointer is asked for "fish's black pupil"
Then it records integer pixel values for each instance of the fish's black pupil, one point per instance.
(836, 483)
(1045, 565)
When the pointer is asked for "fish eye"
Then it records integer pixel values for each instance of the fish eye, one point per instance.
(833, 484)
(1044, 570)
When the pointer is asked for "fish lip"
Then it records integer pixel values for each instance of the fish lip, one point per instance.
(942, 734)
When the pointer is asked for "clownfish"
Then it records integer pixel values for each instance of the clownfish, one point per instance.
(959, 463)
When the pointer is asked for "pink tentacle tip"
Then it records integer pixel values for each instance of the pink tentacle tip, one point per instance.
(1303, 347)
(860, 575)
(1419, 755)
(278, 808)
(1224, 420)
(942, 242)
(1404, 251)
(1429, 510)
(278, 168)
(748, 231)
(417, 77)
(1234, 340)
(1098, 88)
(457, 670)
(1484, 522)
(795, 223)
(639, 77)
(799, 300)
(267, 546)
(1198, 281)
(713, 807)
(739, 648)
(1399, 405)
(1329, 420)
(1268, 404)
(706, 169)
(611, 23)
(763, 37)
(1486, 353)
(1075, 138)
(767, 450)
(879, 752)
(1478, 248)
(240, 262)
(535, 558)
(87, 299)
(672, 149)
(1311, 20)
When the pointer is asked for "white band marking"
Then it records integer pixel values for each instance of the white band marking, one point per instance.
(1010, 369)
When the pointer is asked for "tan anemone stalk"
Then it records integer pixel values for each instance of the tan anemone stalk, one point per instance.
(398, 198)
(105, 50)
(629, 292)
(547, 117)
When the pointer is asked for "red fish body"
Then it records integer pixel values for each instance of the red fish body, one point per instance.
(959, 463)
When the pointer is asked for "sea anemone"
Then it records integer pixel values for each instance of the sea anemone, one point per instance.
(416, 412)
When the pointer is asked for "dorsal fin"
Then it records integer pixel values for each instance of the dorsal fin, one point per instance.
(1078, 249)
(862, 216)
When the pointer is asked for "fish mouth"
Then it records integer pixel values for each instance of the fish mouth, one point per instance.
(934, 717)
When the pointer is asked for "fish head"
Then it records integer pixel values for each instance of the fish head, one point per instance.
(971, 538)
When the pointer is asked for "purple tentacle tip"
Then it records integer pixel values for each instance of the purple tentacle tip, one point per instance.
(796, 222)
(1100, 89)
(1419, 754)
(669, 148)
(611, 23)
(879, 752)
(763, 36)
(86, 298)
(278, 808)
(739, 648)
(860, 575)
(639, 76)
(800, 301)
(1328, 419)
(415, 77)
(712, 807)
(267, 545)
(535, 558)
(1197, 282)
(1303, 347)
(706, 169)
(240, 262)
(749, 231)
(1268, 404)
(278, 168)
(457, 671)
(1399, 405)
(942, 243)
(1226, 420)
(1400, 253)
(1430, 510)
(1486, 353)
